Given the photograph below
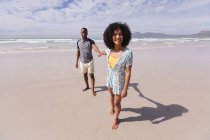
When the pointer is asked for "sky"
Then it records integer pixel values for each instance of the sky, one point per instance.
(65, 18)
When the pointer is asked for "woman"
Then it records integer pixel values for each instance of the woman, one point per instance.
(116, 37)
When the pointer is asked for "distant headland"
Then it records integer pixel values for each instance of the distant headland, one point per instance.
(201, 34)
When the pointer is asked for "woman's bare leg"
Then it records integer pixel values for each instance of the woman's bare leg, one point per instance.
(111, 101)
(117, 109)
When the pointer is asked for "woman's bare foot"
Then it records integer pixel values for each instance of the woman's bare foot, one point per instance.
(85, 89)
(115, 124)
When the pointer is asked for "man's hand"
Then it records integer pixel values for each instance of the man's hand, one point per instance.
(76, 65)
(99, 54)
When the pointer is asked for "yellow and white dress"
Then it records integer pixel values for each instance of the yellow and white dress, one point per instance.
(116, 70)
(112, 61)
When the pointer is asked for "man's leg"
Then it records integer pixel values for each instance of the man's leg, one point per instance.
(86, 82)
(91, 73)
(93, 83)
(84, 70)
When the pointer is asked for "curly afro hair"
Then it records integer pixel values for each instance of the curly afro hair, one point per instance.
(108, 33)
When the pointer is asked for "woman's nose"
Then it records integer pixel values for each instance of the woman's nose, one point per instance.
(117, 36)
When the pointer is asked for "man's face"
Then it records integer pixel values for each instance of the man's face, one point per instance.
(84, 33)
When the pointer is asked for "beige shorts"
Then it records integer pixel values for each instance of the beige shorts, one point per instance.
(87, 67)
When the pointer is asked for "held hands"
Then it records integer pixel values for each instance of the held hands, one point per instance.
(124, 93)
(99, 54)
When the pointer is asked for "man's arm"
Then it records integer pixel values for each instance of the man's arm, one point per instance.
(77, 57)
(102, 53)
(96, 49)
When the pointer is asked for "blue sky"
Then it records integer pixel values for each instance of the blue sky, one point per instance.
(64, 18)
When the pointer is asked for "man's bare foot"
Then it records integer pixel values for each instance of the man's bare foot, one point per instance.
(115, 124)
(94, 93)
(112, 111)
(85, 89)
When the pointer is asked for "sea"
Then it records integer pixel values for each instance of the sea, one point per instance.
(9, 46)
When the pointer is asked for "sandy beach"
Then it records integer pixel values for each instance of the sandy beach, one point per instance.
(41, 97)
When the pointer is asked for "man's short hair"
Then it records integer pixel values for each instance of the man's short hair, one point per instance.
(84, 29)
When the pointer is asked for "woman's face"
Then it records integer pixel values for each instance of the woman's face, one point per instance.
(117, 37)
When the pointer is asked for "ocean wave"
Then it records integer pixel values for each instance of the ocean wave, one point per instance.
(32, 41)
(32, 51)
(71, 40)
(60, 45)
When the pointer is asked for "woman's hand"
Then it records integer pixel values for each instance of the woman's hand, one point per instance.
(124, 93)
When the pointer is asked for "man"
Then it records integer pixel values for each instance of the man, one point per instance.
(84, 53)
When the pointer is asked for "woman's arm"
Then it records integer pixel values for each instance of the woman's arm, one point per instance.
(127, 80)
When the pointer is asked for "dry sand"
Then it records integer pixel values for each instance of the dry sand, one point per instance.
(41, 97)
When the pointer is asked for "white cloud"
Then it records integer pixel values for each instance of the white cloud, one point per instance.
(65, 18)
(191, 4)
